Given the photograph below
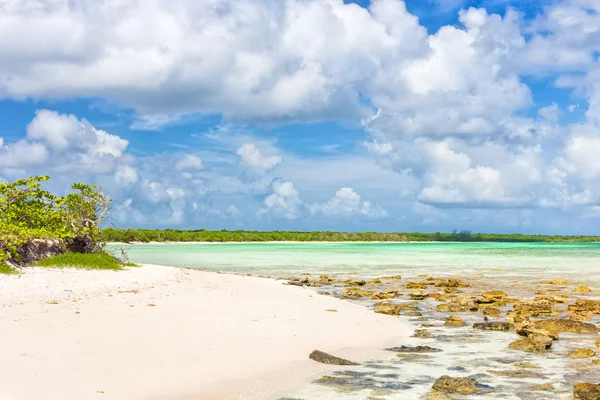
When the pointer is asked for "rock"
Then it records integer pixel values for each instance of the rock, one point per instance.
(455, 385)
(526, 365)
(592, 306)
(354, 282)
(373, 281)
(422, 333)
(412, 314)
(546, 387)
(528, 330)
(494, 295)
(452, 283)
(582, 353)
(391, 277)
(598, 342)
(582, 289)
(520, 373)
(37, 249)
(392, 294)
(325, 358)
(494, 326)
(437, 296)
(586, 391)
(566, 325)
(355, 293)
(537, 344)
(557, 282)
(416, 285)
(491, 311)
(454, 321)
(413, 349)
(533, 309)
(417, 295)
(387, 308)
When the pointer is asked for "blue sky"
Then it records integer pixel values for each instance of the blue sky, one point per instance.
(377, 115)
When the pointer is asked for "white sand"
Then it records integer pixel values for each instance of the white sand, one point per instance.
(208, 336)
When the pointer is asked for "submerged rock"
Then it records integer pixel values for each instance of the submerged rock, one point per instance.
(586, 391)
(545, 387)
(582, 353)
(416, 285)
(455, 385)
(454, 322)
(566, 325)
(592, 306)
(521, 373)
(494, 326)
(422, 333)
(535, 344)
(452, 283)
(387, 308)
(414, 349)
(325, 358)
(354, 293)
(582, 289)
(533, 309)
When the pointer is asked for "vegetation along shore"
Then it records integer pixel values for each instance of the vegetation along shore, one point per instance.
(172, 235)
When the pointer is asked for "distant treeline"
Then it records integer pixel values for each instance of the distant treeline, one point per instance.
(170, 235)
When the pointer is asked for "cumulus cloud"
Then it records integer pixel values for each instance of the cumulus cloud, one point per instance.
(347, 203)
(126, 175)
(64, 143)
(189, 162)
(451, 109)
(256, 159)
(283, 201)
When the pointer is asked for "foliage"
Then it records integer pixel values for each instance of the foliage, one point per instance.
(27, 211)
(169, 235)
(7, 270)
(83, 261)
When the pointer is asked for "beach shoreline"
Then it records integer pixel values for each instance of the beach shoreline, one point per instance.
(159, 332)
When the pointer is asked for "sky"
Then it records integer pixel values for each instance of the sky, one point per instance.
(381, 115)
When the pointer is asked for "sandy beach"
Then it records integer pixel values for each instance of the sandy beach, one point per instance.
(164, 333)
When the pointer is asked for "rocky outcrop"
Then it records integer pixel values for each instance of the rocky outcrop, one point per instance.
(566, 325)
(325, 358)
(589, 306)
(387, 308)
(37, 249)
(414, 349)
(494, 326)
(586, 391)
(455, 385)
(454, 322)
(582, 353)
(534, 343)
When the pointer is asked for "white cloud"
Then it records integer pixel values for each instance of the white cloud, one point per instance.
(283, 202)
(126, 175)
(255, 158)
(189, 162)
(347, 203)
(551, 113)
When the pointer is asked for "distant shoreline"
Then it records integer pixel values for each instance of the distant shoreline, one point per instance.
(336, 242)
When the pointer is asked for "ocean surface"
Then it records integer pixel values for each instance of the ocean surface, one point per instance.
(523, 270)
(372, 259)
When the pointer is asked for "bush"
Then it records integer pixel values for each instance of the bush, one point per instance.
(28, 212)
(83, 261)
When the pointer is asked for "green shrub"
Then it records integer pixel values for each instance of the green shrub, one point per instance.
(83, 261)
(27, 211)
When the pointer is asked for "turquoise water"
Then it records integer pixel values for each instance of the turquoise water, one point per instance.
(370, 259)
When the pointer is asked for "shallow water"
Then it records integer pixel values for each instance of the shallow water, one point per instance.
(372, 259)
(516, 268)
